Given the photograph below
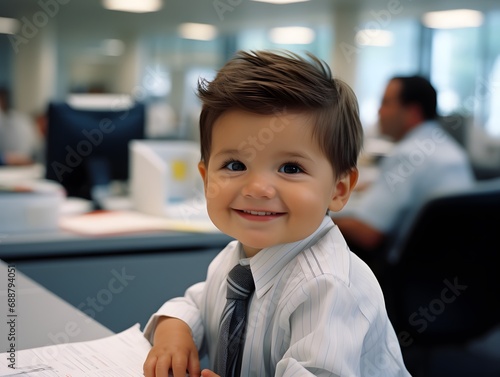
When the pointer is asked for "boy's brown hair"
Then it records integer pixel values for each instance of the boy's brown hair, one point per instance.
(267, 83)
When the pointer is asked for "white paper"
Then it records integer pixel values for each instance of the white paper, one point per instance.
(103, 223)
(120, 355)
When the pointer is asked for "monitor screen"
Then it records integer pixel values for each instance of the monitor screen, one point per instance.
(88, 148)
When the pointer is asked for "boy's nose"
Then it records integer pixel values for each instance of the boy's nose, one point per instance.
(258, 186)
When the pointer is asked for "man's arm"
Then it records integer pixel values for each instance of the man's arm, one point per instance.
(359, 234)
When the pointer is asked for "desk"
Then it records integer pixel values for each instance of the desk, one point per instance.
(42, 317)
(117, 280)
(34, 246)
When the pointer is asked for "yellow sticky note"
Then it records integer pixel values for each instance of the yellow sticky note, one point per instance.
(179, 170)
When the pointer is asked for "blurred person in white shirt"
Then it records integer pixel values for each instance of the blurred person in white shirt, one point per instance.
(20, 141)
(424, 161)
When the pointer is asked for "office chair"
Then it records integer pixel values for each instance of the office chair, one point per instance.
(444, 289)
(456, 126)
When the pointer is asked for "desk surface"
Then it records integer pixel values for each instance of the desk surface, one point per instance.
(41, 318)
(80, 268)
(59, 243)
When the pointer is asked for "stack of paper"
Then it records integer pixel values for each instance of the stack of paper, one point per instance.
(120, 355)
(102, 223)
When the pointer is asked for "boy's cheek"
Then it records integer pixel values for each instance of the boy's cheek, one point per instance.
(214, 187)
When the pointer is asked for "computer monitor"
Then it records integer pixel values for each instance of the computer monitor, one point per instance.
(90, 148)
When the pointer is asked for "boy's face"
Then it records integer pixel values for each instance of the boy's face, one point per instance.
(267, 181)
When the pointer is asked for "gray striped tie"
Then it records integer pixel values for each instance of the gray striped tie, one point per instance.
(240, 286)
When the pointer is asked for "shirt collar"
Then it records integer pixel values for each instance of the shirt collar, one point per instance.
(422, 128)
(269, 261)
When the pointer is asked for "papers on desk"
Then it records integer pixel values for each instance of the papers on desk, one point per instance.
(119, 355)
(103, 223)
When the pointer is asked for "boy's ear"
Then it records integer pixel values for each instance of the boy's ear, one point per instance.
(343, 189)
(203, 172)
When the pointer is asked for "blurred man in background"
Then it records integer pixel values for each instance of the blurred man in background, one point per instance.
(424, 161)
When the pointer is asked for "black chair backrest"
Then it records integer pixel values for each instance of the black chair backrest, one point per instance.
(445, 288)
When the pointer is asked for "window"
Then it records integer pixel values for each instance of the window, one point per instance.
(465, 69)
(455, 67)
(377, 64)
(172, 66)
(491, 85)
(258, 39)
(463, 65)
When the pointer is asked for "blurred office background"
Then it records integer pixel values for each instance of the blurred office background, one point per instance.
(51, 50)
(63, 47)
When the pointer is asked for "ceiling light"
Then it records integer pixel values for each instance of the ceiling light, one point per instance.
(100, 101)
(453, 19)
(135, 6)
(201, 32)
(374, 37)
(8, 25)
(280, 1)
(291, 35)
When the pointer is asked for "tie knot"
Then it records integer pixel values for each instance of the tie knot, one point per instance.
(240, 283)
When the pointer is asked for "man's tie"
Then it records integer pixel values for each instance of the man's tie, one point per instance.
(240, 286)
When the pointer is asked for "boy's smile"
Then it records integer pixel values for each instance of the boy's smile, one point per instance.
(267, 182)
(259, 215)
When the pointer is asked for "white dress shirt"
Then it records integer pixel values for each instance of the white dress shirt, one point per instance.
(317, 310)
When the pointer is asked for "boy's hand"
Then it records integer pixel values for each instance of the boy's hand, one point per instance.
(208, 373)
(173, 350)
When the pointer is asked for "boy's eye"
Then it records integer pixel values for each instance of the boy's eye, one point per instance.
(290, 169)
(235, 166)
